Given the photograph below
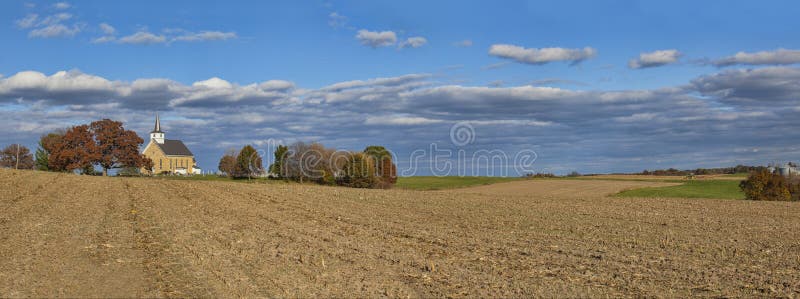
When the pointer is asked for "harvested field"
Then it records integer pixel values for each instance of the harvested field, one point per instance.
(73, 236)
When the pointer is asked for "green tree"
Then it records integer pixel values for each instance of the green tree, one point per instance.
(277, 166)
(248, 163)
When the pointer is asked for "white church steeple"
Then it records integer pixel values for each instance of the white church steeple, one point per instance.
(156, 135)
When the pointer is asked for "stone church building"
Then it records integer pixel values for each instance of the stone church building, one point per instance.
(169, 156)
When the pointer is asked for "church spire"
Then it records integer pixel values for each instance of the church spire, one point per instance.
(157, 135)
(157, 128)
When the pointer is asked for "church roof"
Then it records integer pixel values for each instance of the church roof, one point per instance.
(174, 148)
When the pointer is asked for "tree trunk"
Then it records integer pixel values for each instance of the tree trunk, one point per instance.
(17, 165)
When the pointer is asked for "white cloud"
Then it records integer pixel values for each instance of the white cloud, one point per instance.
(168, 36)
(336, 20)
(61, 87)
(62, 5)
(376, 39)
(55, 19)
(636, 117)
(28, 21)
(464, 43)
(541, 55)
(107, 29)
(769, 87)
(48, 27)
(109, 32)
(206, 36)
(56, 30)
(59, 25)
(104, 39)
(390, 81)
(400, 120)
(511, 122)
(654, 59)
(729, 110)
(213, 83)
(777, 57)
(143, 38)
(276, 85)
(414, 42)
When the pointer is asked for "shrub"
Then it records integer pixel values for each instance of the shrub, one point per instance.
(540, 175)
(794, 186)
(385, 169)
(359, 172)
(764, 185)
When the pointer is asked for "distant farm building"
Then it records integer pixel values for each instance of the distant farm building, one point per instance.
(785, 169)
(169, 156)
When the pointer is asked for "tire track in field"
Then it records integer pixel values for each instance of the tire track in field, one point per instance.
(288, 230)
(306, 232)
(399, 248)
(169, 273)
(243, 273)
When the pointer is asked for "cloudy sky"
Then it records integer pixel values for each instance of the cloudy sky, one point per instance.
(591, 86)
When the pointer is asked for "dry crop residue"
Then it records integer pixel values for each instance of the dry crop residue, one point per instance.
(73, 236)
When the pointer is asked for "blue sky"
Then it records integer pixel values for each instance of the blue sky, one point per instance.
(592, 86)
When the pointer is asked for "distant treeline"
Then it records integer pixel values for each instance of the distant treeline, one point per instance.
(704, 171)
(313, 162)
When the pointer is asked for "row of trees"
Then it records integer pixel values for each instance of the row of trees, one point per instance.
(247, 163)
(313, 162)
(104, 143)
(705, 171)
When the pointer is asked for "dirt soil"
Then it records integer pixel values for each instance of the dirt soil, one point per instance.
(72, 236)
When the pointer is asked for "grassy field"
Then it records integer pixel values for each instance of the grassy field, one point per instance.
(738, 175)
(722, 189)
(447, 182)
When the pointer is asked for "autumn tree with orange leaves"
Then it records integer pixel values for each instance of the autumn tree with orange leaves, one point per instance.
(115, 146)
(105, 143)
(75, 150)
